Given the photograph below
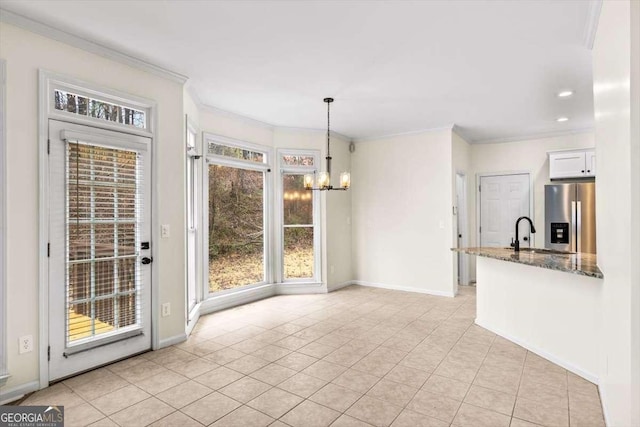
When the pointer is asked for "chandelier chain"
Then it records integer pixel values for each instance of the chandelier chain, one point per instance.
(328, 129)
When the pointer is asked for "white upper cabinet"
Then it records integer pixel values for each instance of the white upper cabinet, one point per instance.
(590, 161)
(572, 164)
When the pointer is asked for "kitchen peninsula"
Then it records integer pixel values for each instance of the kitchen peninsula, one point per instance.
(547, 302)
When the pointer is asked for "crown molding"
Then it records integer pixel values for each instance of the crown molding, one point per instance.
(413, 132)
(532, 136)
(71, 39)
(461, 133)
(334, 134)
(591, 23)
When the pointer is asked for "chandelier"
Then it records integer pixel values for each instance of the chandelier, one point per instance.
(324, 178)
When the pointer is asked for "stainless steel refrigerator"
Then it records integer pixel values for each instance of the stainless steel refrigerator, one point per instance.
(570, 217)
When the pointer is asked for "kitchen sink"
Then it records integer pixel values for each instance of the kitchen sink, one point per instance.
(544, 251)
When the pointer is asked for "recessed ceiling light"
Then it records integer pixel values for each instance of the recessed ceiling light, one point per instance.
(565, 93)
(562, 119)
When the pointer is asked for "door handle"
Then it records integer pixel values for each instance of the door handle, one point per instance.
(147, 260)
(579, 227)
(525, 238)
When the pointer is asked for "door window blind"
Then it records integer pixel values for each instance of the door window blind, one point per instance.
(104, 188)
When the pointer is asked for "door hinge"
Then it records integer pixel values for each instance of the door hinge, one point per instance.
(48, 250)
(48, 146)
(480, 229)
(479, 188)
(49, 353)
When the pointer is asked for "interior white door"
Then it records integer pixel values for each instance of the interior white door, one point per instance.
(99, 262)
(503, 199)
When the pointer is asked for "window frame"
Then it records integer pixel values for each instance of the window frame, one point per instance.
(112, 97)
(317, 231)
(215, 159)
(192, 169)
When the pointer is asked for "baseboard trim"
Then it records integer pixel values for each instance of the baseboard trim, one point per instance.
(15, 393)
(300, 288)
(402, 288)
(340, 286)
(222, 302)
(176, 339)
(542, 353)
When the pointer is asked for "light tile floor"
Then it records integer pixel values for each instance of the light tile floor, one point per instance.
(356, 357)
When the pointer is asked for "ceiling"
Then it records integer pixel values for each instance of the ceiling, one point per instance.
(492, 68)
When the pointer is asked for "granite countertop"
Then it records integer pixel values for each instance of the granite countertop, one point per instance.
(577, 263)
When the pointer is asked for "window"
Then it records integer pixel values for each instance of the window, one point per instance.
(85, 106)
(103, 220)
(300, 234)
(237, 214)
(192, 219)
(75, 101)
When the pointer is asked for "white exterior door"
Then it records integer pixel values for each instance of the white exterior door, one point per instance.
(99, 262)
(503, 199)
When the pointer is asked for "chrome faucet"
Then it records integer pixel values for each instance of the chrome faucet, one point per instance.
(516, 244)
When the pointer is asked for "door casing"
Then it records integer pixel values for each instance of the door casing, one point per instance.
(46, 81)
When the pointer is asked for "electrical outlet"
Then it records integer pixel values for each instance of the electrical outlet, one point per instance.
(165, 231)
(26, 344)
(166, 309)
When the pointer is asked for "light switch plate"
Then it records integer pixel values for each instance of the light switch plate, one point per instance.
(166, 309)
(165, 231)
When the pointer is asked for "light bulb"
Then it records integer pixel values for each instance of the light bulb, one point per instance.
(345, 180)
(308, 181)
(323, 180)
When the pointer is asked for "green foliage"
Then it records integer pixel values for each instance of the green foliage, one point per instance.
(235, 211)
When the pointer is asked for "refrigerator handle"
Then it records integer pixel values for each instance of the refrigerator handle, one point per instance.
(579, 228)
(573, 227)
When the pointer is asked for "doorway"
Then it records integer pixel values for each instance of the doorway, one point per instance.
(462, 238)
(503, 199)
(99, 273)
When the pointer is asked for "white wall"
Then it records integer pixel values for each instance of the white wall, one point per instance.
(401, 207)
(617, 206)
(25, 53)
(520, 156)
(552, 313)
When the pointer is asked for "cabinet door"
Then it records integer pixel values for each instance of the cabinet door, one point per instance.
(590, 163)
(567, 165)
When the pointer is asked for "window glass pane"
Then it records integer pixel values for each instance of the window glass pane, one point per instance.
(236, 227)
(102, 231)
(85, 106)
(292, 160)
(298, 252)
(298, 202)
(236, 153)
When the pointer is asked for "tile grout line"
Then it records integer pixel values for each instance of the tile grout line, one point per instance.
(474, 377)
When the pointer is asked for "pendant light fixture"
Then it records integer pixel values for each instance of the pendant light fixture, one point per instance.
(324, 178)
